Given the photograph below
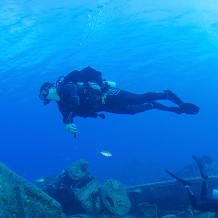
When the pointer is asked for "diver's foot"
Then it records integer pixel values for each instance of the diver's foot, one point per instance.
(201, 166)
(184, 182)
(173, 97)
(189, 108)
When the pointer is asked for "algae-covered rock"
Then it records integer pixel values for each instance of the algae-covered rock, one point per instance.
(115, 197)
(148, 211)
(21, 199)
(88, 195)
(78, 170)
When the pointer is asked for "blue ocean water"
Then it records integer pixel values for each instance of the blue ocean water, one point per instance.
(142, 45)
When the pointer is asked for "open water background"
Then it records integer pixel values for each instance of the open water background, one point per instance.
(143, 46)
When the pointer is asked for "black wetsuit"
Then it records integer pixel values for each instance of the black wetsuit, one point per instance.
(75, 100)
(206, 203)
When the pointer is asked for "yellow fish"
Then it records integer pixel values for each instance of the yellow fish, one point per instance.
(105, 153)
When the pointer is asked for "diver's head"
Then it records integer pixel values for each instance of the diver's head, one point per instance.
(48, 92)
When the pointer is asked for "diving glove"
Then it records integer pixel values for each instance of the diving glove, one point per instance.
(71, 127)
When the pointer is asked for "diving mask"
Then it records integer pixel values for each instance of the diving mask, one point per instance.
(44, 91)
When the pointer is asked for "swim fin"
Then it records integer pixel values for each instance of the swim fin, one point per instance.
(189, 108)
(201, 164)
(184, 182)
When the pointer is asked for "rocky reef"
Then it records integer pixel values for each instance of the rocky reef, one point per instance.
(21, 199)
(76, 193)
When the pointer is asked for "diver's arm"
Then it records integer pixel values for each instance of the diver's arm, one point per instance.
(70, 126)
(70, 96)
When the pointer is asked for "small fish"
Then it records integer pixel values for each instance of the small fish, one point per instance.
(59, 155)
(39, 180)
(105, 153)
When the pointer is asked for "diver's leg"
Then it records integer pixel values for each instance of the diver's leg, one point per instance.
(121, 97)
(192, 198)
(187, 108)
(187, 186)
(129, 98)
(206, 205)
(203, 195)
(125, 109)
(134, 109)
(204, 176)
(177, 110)
(173, 97)
(203, 189)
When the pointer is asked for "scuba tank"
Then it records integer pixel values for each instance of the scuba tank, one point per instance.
(111, 84)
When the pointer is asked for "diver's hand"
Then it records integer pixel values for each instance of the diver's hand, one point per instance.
(71, 127)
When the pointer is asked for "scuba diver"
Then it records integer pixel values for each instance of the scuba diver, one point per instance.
(84, 93)
(206, 203)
